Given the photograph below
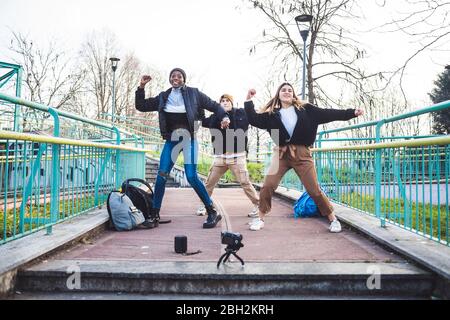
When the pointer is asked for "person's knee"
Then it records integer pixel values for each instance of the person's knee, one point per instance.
(163, 175)
(267, 190)
(270, 185)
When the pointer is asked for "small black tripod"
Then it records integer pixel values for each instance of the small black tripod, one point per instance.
(229, 251)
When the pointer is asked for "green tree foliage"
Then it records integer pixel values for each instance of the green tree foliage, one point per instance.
(441, 92)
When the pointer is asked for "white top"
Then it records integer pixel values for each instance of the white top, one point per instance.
(289, 119)
(175, 102)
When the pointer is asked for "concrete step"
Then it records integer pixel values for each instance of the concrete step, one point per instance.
(204, 278)
(178, 298)
(151, 164)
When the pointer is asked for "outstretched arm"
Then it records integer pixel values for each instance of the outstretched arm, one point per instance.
(140, 102)
(329, 115)
(259, 120)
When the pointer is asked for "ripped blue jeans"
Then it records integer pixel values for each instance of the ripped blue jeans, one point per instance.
(169, 155)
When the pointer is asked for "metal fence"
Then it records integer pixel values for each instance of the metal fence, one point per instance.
(46, 179)
(403, 180)
(43, 180)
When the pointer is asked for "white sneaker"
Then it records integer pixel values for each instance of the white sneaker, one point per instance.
(253, 220)
(254, 213)
(335, 226)
(257, 224)
(201, 211)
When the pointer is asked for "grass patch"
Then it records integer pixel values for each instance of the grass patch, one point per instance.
(40, 214)
(425, 218)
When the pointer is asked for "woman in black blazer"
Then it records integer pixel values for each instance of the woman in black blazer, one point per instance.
(292, 124)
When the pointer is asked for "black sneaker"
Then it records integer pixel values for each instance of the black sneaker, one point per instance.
(213, 218)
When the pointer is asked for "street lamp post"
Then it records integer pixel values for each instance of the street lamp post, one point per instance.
(114, 63)
(304, 23)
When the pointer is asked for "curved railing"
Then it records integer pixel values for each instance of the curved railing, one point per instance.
(48, 179)
(400, 180)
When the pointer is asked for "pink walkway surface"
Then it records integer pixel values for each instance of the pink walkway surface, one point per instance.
(284, 238)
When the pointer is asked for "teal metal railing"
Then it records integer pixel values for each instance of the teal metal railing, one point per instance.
(46, 180)
(63, 179)
(413, 188)
(400, 180)
(45, 120)
(8, 73)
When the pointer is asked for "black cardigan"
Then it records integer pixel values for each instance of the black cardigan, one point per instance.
(305, 131)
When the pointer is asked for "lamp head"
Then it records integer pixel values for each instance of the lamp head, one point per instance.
(303, 22)
(114, 63)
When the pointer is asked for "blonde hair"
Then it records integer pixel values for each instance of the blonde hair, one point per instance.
(275, 102)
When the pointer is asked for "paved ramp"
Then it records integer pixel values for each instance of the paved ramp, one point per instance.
(284, 238)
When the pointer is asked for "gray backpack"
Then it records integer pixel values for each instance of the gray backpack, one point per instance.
(123, 214)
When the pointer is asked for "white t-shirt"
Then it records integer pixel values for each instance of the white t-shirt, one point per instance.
(175, 102)
(289, 119)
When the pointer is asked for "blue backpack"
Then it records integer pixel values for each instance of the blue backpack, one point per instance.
(305, 207)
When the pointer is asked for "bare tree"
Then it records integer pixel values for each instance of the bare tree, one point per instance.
(50, 77)
(386, 104)
(96, 51)
(130, 72)
(127, 80)
(333, 51)
(98, 48)
(426, 23)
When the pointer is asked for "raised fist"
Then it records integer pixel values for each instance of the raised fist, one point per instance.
(251, 93)
(144, 80)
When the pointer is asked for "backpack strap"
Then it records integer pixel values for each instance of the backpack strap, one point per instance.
(127, 182)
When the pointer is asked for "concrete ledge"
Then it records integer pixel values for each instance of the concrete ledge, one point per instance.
(19, 252)
(401, 279)
(233, 270)
(425, 252)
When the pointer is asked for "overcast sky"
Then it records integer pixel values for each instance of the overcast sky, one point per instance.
(210, 39)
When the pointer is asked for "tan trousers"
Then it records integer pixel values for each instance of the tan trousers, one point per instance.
(238, 167)
(300, 159)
